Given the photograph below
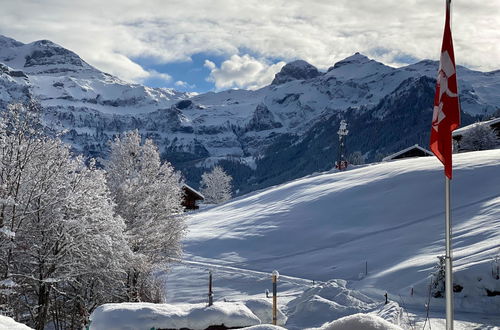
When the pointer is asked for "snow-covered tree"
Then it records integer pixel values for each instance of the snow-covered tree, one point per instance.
(102, 256)
(148, 196)
(62, 235)
(438, 278)
(356, 158)
(479, 137)
(216, 186)
(495, 266)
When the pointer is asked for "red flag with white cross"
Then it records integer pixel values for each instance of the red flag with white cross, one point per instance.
(446, 117)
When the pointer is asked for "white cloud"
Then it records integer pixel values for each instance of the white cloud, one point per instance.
(159, 75)
(184, 84)
(107, 33)
(209, 64)
(242, 72)
(121, 66)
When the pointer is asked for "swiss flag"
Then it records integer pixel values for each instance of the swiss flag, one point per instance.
(446, 117)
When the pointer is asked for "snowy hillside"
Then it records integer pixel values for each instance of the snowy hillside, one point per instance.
(389, 215)
(255, 135)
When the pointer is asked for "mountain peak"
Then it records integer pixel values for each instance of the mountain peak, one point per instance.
(45, 56)
(296, 70)
(40, 57)
(6, 42)
(357, 66)
(45, 43)
(356, 58)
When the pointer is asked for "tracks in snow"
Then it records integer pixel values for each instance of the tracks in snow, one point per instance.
(248, 272)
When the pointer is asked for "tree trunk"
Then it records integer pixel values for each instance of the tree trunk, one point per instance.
(132, 284)
(43, 306)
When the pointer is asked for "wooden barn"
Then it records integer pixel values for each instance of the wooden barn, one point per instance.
(191, 195)
(413, 151)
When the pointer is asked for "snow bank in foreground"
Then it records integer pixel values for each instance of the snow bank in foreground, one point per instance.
(394, 314)
(326, 302)
(8, 323)
(263, 309)
(360, 322)
(138, 316)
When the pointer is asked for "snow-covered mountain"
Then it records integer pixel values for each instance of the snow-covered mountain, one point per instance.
(282, 131)
(59, 78)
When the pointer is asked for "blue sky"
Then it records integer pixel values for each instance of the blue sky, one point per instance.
(193, 75)
(193, 72)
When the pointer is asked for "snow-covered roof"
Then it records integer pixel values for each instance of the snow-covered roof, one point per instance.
(464, 129)
(416, 146)
(194, 191)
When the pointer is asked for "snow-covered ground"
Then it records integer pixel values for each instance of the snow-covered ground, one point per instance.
(132, 316)
(136, 316)
(7, 323)
(340, 241)
(387, 216)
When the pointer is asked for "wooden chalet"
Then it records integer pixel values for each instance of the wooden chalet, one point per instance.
(191, 195)
(413, 151)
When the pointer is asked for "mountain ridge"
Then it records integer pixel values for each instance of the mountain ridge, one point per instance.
(250, 133)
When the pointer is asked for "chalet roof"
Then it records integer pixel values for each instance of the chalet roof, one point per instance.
(462, 130)
(194, 191)
(416, 146)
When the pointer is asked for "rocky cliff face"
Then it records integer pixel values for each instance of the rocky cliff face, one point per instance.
(262, 137)
(296, 70)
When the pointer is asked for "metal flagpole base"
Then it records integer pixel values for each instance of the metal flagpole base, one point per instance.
(448, 260)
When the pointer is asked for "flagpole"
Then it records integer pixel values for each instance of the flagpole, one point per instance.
(448, 259)
(448, 256)
(445, 119)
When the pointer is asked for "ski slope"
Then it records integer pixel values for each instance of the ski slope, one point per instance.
(389, 216)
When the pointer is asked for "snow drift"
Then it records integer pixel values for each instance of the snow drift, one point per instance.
(139, 316)
(326, 302)
(263, 310)
(9, 323)
(360, 322)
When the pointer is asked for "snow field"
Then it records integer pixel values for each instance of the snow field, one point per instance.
(390, 215)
